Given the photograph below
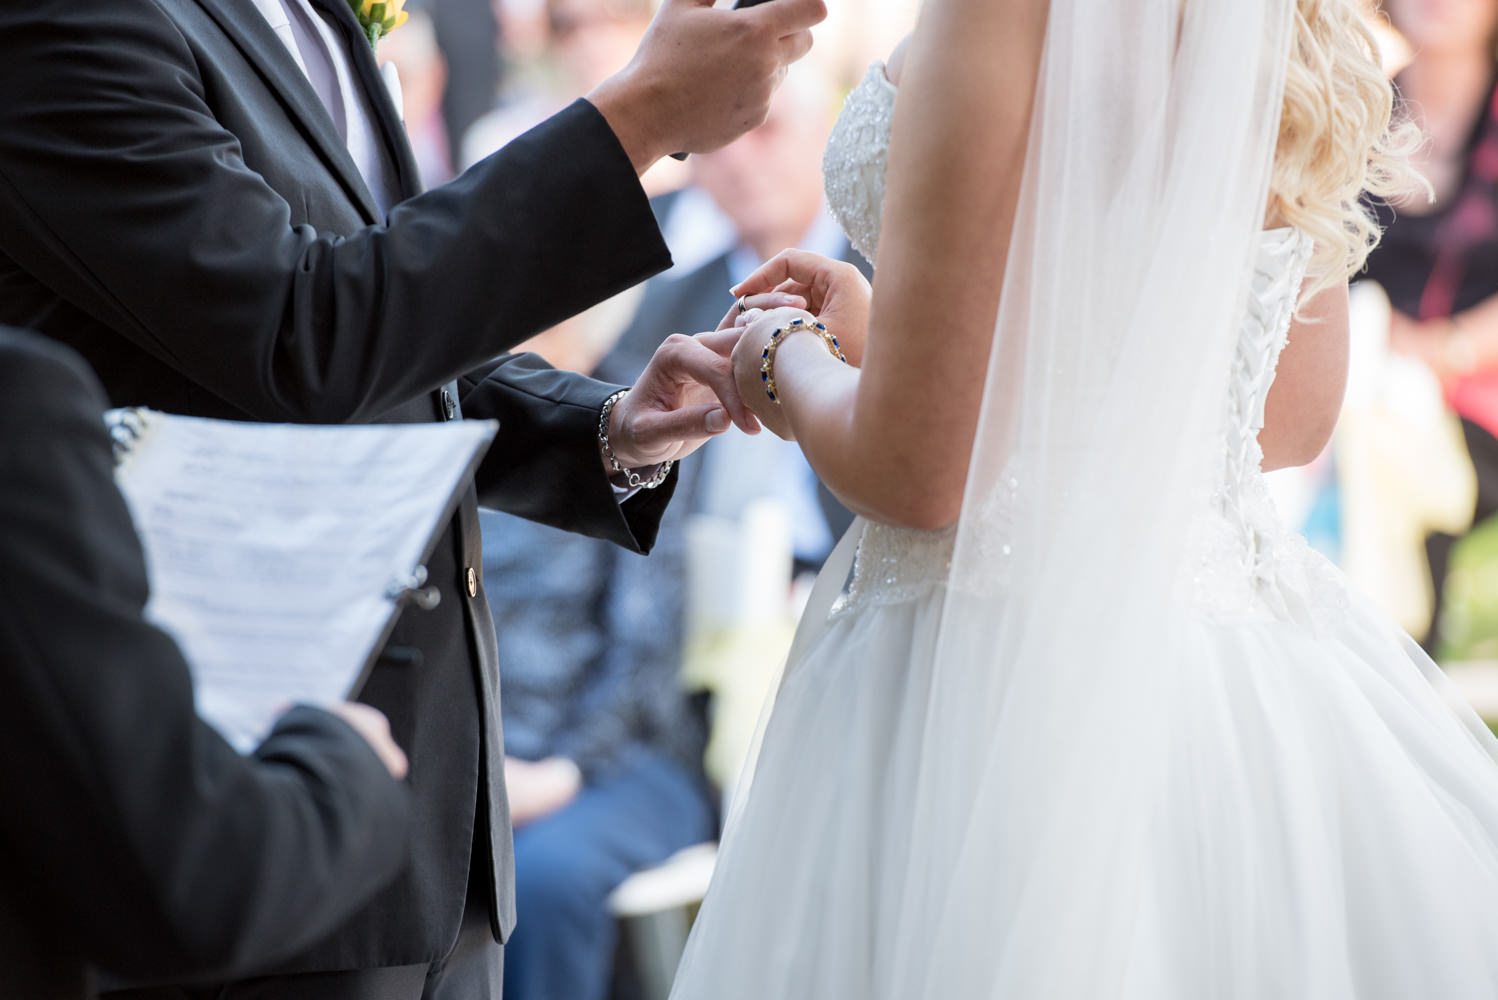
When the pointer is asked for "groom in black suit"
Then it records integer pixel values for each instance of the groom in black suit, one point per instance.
(213, 201)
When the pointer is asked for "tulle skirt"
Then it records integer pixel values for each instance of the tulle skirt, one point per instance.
(1320, 821)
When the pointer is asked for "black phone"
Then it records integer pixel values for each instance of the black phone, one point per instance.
(740, 5)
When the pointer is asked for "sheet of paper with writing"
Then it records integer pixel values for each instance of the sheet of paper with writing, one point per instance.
(279, 555)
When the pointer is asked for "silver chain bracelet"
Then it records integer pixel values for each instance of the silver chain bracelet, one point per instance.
(631, 477)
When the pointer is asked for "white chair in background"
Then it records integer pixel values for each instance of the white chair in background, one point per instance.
(656, 907)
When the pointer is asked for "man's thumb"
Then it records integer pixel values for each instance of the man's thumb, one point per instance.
(689, 423)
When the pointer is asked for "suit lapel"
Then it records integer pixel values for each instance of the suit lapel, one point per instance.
(382, 108)
(255, 38)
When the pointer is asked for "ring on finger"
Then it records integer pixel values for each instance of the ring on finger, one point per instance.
(743, 306)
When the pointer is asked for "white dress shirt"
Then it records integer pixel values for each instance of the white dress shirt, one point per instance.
(323, 59)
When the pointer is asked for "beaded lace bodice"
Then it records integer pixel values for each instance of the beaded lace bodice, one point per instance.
(1244, 563)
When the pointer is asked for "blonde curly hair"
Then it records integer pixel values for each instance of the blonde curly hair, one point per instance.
(1338, 139)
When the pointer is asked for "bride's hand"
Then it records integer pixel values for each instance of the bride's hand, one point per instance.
(748, 354)
(746, 308)
(834, 290)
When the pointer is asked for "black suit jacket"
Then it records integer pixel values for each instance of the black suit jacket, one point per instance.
(176, 204)
(133, 837)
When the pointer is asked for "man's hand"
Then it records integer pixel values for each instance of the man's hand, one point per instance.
(371, 724)
(683, 397)
(703, 76)
(540, 788)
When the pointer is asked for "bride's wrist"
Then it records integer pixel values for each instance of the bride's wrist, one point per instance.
(784, 335)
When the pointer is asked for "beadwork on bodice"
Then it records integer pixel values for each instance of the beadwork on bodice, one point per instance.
(857, 154)
(1243, 562)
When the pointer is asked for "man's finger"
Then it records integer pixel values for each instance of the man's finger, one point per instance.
(691, 360)
(720, 342)
(795, 46)
(730, 318)
(657, 429)
(785, 17)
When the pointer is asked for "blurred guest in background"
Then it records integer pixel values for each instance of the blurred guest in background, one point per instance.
(467, 33)
(1439, 261)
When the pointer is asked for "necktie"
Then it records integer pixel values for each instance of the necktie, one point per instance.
(317, 62)
(325, 61)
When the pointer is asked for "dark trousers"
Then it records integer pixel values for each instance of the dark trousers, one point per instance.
(1483, 448)
(471, 971)
(567, 864)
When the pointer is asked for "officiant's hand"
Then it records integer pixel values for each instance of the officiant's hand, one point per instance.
(371, 724)
(834, 290)
(683, 397)
(703, 76)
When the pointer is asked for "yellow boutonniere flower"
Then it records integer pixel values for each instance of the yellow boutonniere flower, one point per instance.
(379, 17)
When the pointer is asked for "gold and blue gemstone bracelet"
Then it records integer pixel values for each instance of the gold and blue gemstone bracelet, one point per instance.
(767, 357)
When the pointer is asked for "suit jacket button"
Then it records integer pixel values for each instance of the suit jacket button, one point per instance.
(449, 406)
(473, 582)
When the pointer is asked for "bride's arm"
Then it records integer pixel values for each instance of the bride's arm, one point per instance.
(893, 439)
(1306, 396)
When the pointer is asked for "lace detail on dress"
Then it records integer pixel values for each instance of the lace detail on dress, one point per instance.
(1244, 564)
(1279, 269)
(856, 156)
(1244, 561)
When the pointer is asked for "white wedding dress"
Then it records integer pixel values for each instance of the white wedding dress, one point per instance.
(1323, 824)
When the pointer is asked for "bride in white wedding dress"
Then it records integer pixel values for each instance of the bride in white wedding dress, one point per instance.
(1086, 721)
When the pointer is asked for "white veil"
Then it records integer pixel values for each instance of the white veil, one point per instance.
(1145, 188)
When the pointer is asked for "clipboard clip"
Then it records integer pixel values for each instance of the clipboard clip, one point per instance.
(126, 427)
(413, 587)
